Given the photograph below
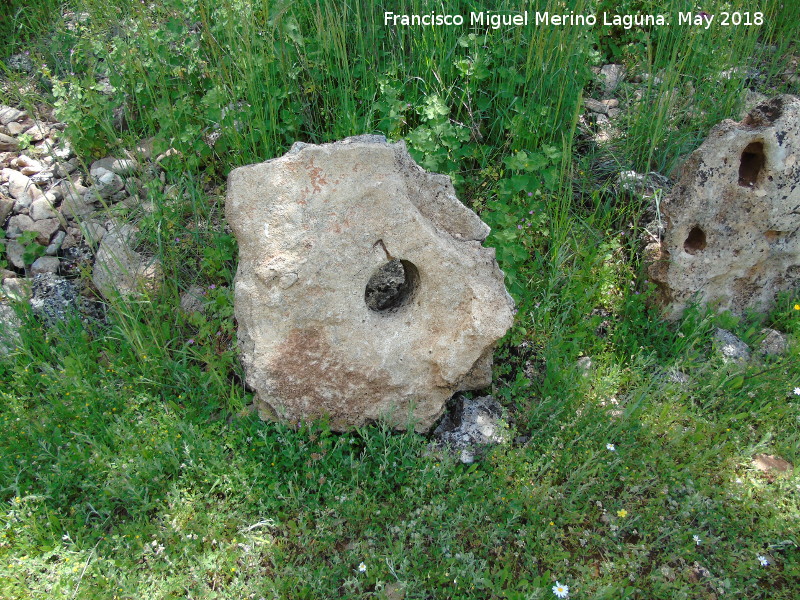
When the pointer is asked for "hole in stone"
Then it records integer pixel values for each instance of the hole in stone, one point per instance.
(391, 286)
(751, 165)
(695, 241)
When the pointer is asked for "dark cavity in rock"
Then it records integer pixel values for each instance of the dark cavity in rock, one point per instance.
(751, 165)
(391, 286)
(695, 241)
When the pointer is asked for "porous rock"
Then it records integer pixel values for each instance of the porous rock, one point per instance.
(54, 298)
(318, 227)
(732, 236)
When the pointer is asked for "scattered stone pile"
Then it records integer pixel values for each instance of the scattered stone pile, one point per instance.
(56, 217)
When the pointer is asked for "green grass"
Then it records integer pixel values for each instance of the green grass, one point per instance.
(129, 469)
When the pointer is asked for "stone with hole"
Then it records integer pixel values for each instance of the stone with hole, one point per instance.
(732, 222)
(363, 291)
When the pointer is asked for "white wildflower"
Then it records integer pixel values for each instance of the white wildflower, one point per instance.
(561, 590)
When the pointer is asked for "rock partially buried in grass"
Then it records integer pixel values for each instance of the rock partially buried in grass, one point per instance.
(732, 221)
(363, 291)
(120, 269)
(770, 463)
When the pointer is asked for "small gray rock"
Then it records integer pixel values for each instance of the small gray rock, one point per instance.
(732, 349)
(6, 206)
(20, 62)
(471, 424)
(55, 245)
(21, 186)
(17, 225)
(53, 297)
(8, 143)
(9, 114)
(108, 183)
(45, 264)
(41, 208)
(10, 326)
(14, 252)
(18, 128)
(192, 300)
(45, 228)
(77, 207)
(93, 231)
(595, 106)
(774, 343)
(611, 76)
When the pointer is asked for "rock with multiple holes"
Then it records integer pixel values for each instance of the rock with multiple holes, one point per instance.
(732, 235)
(363, 291)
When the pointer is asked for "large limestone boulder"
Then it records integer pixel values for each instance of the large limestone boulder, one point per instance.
(363, 291)
(732, 221)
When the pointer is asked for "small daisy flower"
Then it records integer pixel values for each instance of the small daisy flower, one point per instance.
(561, 590)
(696, 539)
(362, 568)
(622, 513)
(763, 561)
(797, 391)
(611, 447)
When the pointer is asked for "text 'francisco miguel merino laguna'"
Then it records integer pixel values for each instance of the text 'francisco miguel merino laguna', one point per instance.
(496, 20)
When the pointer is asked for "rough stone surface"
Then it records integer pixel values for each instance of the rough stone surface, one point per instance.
(18, 224)
(9, 329)
(17, 288)
(42, 208)
(472, 424)
(9, 114)
(770, 462)
(733, 349)
(732, 235)
(118, 268)
(20, 186)
(6, 205)
(313, 228)
(8, 143)
(77, 207)
(773, 344)
(45, 228)
(612, 75)
(53, 297)
(192, 300)
(14, 252)
(45, 264)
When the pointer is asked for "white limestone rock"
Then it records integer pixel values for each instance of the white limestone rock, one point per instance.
(319, 226)
(732, 236)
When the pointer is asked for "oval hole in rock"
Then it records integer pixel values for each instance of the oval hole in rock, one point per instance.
(391, 286)
(695, 241)
(751, 164)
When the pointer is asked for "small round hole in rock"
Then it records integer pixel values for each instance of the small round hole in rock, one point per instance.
(391, 286)
(751, 164)
(695, 241)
